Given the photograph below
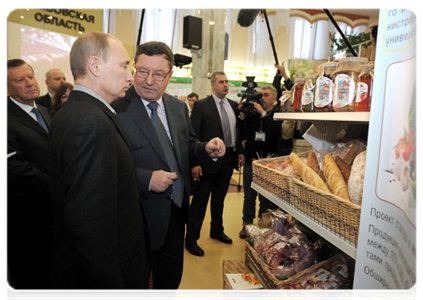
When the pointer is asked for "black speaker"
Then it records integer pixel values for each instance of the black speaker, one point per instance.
(226, 46)
(193, 32)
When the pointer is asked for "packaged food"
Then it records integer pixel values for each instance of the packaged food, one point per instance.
(331, 274)
(307, 100)
(297, 93)
(363, 98)
(324, 87)
(346, 77)
(286, 101)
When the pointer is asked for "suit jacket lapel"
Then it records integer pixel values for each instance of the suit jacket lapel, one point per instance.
(215, 112)
(24, 118)
(172, 122)
(141, 118)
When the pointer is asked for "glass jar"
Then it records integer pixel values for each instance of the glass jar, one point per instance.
(286, 101)
(297, 93)
(324, 87)
(363, 98)
(345, 83)
(307, 100)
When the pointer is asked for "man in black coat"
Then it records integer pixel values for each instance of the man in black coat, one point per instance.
(213, 116)
(54, 78)
(29, 212)
(99, 227)
(163, 171)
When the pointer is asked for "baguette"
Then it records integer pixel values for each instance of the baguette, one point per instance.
(306, 173)
(334, 178)
(344, 168)
(313, 163)
(351, 154)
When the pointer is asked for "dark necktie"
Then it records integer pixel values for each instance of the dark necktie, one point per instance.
(178, 185)
(227, 137)
(39, 118)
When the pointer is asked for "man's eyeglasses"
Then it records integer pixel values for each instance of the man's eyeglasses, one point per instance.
(159, 76)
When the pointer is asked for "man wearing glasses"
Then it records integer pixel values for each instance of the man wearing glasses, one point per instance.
(162, 141)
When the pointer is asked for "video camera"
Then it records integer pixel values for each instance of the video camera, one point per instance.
(251, 95)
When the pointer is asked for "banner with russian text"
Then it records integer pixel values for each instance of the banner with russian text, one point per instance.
(386, 251)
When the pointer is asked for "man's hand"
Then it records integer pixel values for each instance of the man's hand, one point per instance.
(282, 71)
(241, 160)
(216, 148)
(242, 114)
(196, 172)
(161, 180)
(258, 108)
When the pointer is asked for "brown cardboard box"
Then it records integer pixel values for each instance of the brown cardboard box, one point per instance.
(238, 266)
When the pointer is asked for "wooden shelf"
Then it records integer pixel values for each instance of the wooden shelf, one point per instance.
(337, 240)
(359, 117)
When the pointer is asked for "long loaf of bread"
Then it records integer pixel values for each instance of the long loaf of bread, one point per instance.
(306, 173)
(313, 163)
(344, 168)
(334, 178)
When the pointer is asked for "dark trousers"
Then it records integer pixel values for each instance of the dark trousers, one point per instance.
(216, 184)
(167, 262)
(250, 195)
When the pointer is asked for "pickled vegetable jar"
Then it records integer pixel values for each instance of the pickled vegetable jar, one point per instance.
(345, 83)
(324, 87)
(297, 93)
(307, 100)
(286, 101)
(363, 98)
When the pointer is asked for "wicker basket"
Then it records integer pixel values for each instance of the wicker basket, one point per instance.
(264, 271)
(332, 211)
(273, 180)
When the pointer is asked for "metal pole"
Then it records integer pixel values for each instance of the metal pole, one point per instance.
(270, 37)
(347, 42)
(140, 30)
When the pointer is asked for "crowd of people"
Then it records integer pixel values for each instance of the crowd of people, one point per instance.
(100, 172)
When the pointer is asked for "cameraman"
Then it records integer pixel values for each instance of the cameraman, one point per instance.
(260, 132)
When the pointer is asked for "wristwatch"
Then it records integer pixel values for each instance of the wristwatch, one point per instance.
(263, 114)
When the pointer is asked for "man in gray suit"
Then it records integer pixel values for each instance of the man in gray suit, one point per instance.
(99, 228)
(162, 141)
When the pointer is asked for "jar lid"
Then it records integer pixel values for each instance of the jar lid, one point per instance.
(327, 67)
(299, 80)
(350, 64)
(354, 60)
(311, 77)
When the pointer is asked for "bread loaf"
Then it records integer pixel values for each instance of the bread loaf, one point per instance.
(334, 178)
(344, 168)
(306, 173)
(351, 154)
(313, 163)
(356, 182)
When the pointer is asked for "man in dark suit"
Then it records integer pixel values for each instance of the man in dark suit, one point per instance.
(99, 228)
(162, 141)
(213, 116)
(54, 78)
(29, 212)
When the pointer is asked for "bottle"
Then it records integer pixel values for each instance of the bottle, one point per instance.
(363, 98)
(324, 87)
(345, 83)
(297, 93)
(307, 100)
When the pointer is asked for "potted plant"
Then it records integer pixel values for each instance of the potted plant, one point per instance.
(354, 39)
